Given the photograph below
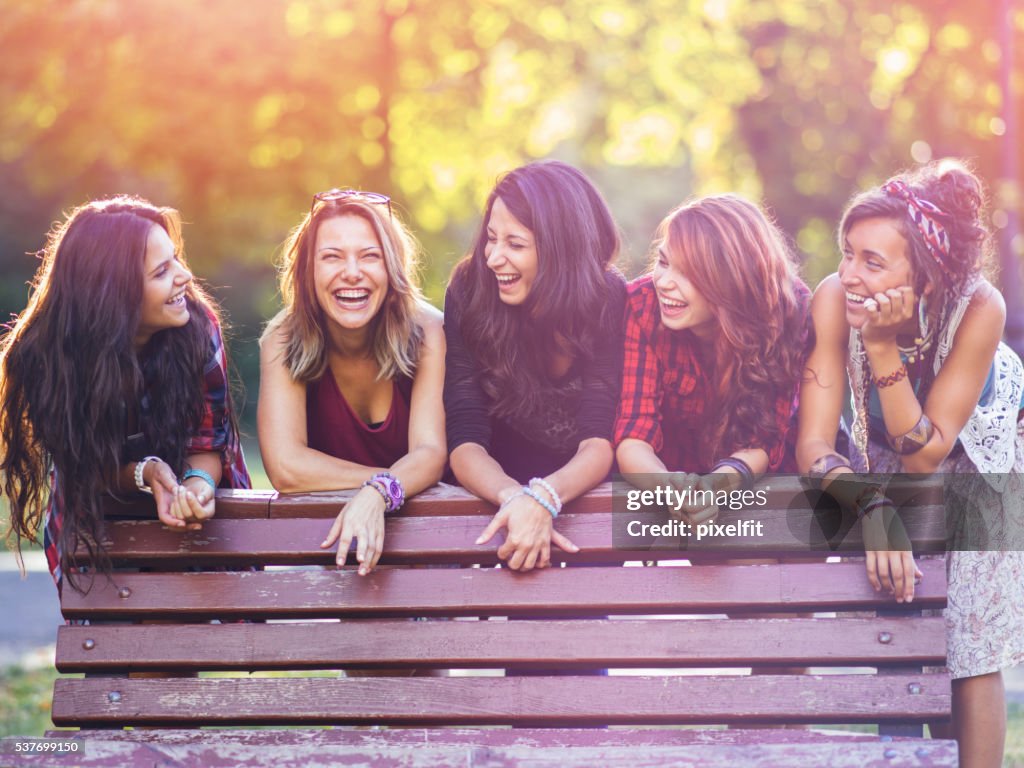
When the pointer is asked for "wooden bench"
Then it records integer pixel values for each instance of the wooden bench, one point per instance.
(599, 615)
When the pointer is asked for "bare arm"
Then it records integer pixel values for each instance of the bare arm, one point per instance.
(824, 383)
(957, 388)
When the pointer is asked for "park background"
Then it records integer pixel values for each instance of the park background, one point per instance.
(236, 113)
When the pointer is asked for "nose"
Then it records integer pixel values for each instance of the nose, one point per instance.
(184, 275)
(351, 272)
(494, 255)
(663, 280)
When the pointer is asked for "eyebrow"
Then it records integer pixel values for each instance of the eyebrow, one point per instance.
(341, 250)
(511, 236)
(662, 254)
(868, 251)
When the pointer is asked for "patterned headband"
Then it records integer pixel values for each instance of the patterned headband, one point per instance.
(925, 216)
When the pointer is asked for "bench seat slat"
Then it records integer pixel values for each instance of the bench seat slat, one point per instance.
(496, 592)
(447, 644)
(452, 540)
(494, 701)
(503, 737)
(838, 754)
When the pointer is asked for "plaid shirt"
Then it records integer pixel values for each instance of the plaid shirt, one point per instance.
(213, 434)
(665, 389)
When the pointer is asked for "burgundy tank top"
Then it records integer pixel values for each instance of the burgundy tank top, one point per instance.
(335, 429)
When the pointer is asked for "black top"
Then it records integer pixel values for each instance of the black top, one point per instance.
(547, 433)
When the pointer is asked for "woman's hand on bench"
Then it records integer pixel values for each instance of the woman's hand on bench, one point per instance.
(531, 532)
(362, 519)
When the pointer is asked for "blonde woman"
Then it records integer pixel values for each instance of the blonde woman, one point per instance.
(352, 369)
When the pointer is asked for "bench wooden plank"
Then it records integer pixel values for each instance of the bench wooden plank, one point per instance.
(361, 738)
(488, 591)
(231, 505)
(840, 754)
(450, 500)
(503, 701)
(451, 539)
(482, 644)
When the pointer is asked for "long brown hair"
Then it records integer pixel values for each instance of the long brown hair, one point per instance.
(567, 309)
(397, 333)
(739, 261)
(69, 372)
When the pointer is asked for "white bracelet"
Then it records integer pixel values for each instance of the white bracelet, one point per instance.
(551, 492)
(140, 467)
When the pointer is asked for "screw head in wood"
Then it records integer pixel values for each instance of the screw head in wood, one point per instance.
(89, 644)
(885, 637)
(914, 688)
(114, 697)
(124, 592)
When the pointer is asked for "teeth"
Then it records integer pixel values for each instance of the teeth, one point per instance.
(855, 298)
(355, 293)
(673, 304)
(179, 299)
(506, 278)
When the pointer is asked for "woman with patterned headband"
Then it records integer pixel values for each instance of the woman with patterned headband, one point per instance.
(352, 369)
(917, 328)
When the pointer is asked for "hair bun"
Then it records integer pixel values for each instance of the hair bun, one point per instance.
(955, 189)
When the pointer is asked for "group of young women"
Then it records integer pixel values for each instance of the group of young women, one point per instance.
(550, 367)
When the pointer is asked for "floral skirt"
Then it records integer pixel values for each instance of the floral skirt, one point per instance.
(985, 612)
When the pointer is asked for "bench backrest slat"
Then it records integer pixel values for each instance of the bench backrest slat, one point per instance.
(508, 700)
(585, 591)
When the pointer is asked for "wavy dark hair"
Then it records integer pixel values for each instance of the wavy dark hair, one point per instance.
(70, 373)
(952, 187)
(567, 309)
(739, 261)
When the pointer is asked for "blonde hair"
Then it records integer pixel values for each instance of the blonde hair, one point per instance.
(397, 332)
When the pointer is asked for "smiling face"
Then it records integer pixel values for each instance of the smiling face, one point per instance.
(349, 275)
(511, 254)
(682, 305)
(164, 281)
(875, 259)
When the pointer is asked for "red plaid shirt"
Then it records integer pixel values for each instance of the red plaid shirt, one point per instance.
(665, 389)
(213, 434)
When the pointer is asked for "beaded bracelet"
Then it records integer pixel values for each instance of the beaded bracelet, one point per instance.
(527, 491)
(887, 381)
(390, 488)
(555, 498)
(140, 467)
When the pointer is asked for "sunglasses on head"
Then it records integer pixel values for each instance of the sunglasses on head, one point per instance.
(333, 195)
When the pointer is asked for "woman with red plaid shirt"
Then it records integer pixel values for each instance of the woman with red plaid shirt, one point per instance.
(114, 380)
(714, 349)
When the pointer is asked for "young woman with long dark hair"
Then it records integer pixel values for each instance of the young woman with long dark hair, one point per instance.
(912, 325)
(114, 380)
(714, 349)
(533, 321)
(352, 369)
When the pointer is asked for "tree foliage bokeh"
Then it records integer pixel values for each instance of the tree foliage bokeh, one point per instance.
(236, 113)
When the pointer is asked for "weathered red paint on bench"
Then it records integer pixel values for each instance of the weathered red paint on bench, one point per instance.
(578, 623)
